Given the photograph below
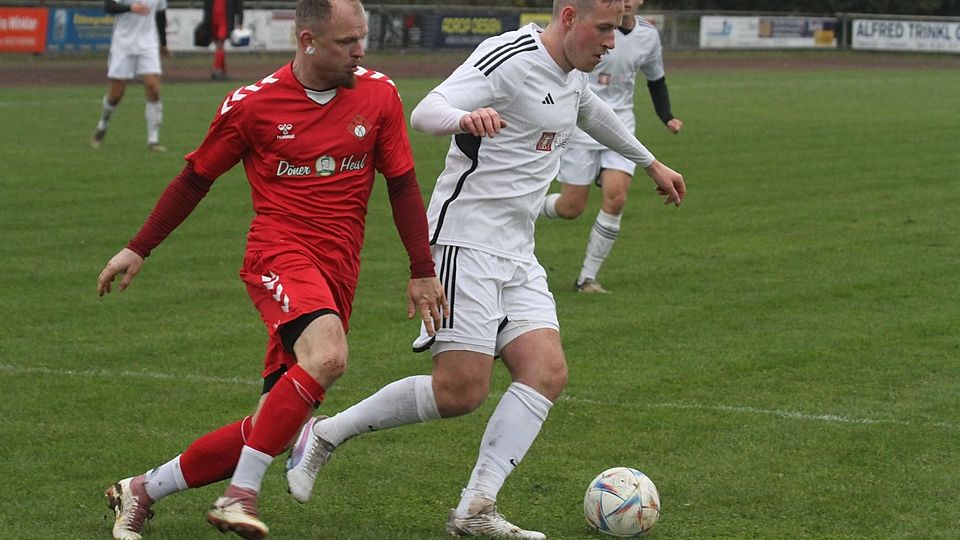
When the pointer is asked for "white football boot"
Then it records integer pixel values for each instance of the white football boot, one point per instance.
(487, 521)
(590, 286)
(236, 512)
(308, 455)
(130, 502)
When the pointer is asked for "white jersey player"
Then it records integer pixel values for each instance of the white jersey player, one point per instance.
(138, 39)
(637, 50)
(511, 108)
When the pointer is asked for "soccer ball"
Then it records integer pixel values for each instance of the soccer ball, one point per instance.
(621, 502)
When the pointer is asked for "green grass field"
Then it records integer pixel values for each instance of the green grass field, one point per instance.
(781, 355)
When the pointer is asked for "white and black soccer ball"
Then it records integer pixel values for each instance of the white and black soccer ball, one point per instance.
(621, 502)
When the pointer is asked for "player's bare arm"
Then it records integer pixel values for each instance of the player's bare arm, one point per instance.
(669, 183)
(425, 295)
(482, 122)
(127, 262)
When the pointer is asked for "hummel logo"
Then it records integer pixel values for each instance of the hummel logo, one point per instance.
(548, 100)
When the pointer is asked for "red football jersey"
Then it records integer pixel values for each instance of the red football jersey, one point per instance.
(310, 166)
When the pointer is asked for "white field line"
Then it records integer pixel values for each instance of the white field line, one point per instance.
(737, 409)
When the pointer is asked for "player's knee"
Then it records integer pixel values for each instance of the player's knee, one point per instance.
(457, 400)
(553, 381)
(570, 208)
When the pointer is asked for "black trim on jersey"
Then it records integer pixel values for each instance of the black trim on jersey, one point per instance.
(503, 53)
(470, 146)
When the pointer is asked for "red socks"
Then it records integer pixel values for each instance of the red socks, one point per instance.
(287, 406)
(214, 456)
(220, 60)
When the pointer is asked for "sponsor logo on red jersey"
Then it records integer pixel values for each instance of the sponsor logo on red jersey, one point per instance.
(285, 131)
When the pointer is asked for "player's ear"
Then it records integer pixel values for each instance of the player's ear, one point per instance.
(567, 15)
(305, 40)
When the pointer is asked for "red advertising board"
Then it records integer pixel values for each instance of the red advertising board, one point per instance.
(23, 29)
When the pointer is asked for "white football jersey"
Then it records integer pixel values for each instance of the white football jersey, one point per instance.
(491, 189)
(132, 33)
(614, 78)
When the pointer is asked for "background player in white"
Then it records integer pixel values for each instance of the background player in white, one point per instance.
(139, 37)
(510, 108)
(637, 50)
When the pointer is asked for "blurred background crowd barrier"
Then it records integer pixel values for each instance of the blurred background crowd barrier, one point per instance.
(43, 27)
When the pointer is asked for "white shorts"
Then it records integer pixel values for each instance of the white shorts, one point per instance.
(581, 166)
(124, 66)
(493, 300)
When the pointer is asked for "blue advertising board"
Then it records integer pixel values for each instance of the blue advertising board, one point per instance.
(78, 29)
(464, 30)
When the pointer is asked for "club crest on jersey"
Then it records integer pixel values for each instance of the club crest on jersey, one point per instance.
(285, 131)
(545, 144)
(326, 166)
(604, 78)
(358, 127)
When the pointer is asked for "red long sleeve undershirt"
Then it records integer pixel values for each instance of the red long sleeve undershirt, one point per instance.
(185, 192)
(181, 196)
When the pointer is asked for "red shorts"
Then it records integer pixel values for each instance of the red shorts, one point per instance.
(284, 285)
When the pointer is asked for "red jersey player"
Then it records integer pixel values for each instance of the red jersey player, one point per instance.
(310, 137)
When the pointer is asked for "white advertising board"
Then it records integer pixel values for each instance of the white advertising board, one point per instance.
(719, 32)
(271, 30)
(899, 35)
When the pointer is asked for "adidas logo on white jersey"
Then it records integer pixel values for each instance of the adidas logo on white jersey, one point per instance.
(548, 100)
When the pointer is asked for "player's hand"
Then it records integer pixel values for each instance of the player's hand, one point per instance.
(126, 262)
(669, 183)
(675, 125)
(482, 122)
(139, 8)
(425, 295)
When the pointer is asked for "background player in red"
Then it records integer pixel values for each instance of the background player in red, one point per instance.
(221, 16)
(310, 137)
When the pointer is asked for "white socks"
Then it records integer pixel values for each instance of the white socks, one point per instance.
(105, 114)
(510, 432)
(402, 402)
(549, 208)
(164, 480)
(251, 468)
(154, 114)
(604, 232)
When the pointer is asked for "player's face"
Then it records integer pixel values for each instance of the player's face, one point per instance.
(591, 34)
(630, 8)
(339, 45)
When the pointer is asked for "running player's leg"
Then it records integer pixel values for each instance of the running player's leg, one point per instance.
(207, 460)
(307, 346)
(616, 176)
(121, 68)
(463, 359)
(149, 68)
(529, 344)
(578, 169)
